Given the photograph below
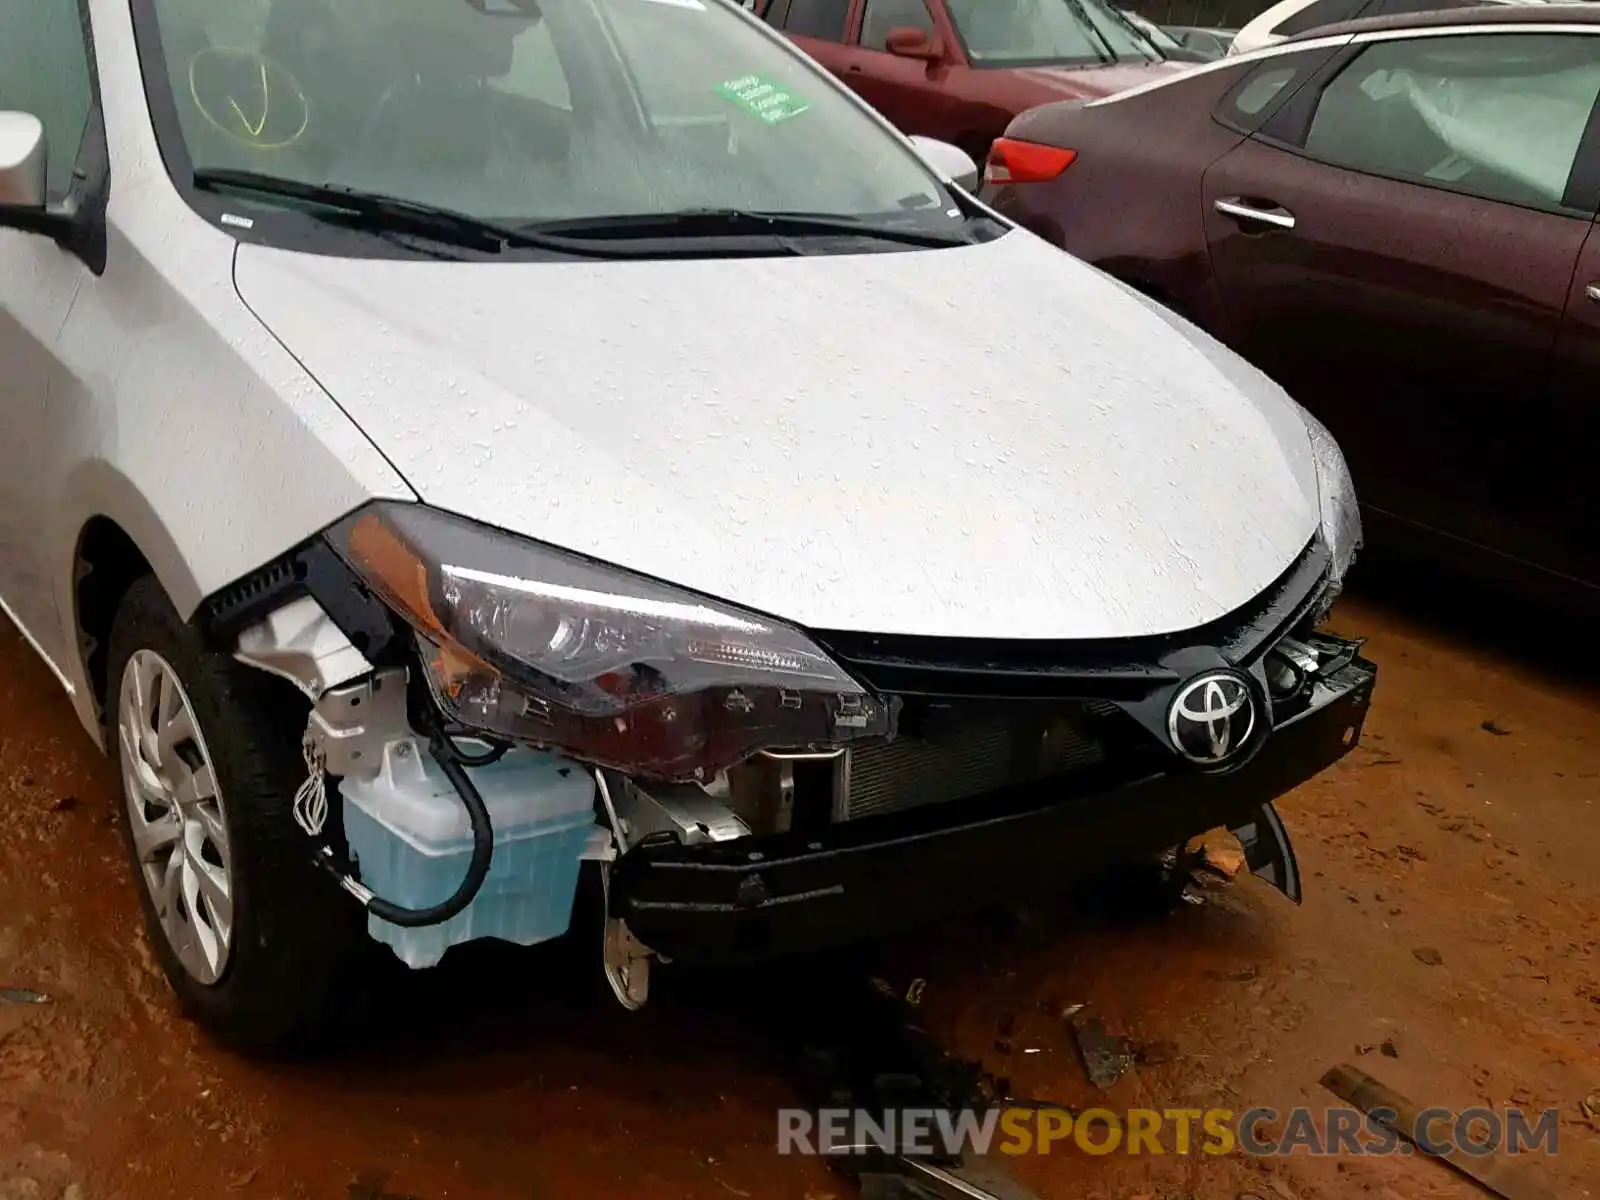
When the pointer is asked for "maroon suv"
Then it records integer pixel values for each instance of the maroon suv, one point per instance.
(1395, 219)
(959, 70)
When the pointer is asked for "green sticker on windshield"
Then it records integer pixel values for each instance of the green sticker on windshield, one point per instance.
(762, 98)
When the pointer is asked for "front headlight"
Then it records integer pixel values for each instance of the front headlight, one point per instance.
(538, 645)
(1341, 517)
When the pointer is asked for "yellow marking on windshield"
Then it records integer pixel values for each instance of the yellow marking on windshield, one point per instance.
(234, 121)
(266, 106)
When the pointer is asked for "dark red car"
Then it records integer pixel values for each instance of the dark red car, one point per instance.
(960, 70)
(1394, 218)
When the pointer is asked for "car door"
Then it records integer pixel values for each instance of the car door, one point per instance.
(816, 26)
(1566, 495)
(44, 70)
(1395, 246)
(904, 89)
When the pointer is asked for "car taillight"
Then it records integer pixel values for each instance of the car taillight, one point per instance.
(1013, 161)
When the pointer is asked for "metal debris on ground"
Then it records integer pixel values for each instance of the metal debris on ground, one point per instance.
(1492, 1170)
(865, 1051)
(1105, 1058)
(16, 995)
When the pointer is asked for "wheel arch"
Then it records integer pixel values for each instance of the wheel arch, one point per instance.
(107, 563)
(117, 539)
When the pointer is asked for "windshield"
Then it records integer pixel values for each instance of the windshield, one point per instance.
(526, 112)
(1016, 33)
(1156, 35)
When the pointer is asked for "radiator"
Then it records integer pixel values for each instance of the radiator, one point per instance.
(964, 751)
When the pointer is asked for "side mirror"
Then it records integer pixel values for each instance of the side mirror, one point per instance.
(950, 163)
(22, 163)
(907, 41)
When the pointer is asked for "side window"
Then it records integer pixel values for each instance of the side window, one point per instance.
(44, 70)
(1317, 14)
(812, 18)
(1261, 91)
(1499, 116)
(884, 15)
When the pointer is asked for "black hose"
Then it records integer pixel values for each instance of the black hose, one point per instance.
(495, 752)
(450, 761)
(482, 851)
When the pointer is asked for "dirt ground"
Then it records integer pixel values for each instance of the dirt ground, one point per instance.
(1447, 944)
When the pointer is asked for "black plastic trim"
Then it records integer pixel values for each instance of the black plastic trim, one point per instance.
(310, 569)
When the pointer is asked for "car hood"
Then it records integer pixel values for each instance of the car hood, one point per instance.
(987, 441)
(1094, 82)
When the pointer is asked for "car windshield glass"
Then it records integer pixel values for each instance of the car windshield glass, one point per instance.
(1153, 33)
(1040, 32)
(523, 112)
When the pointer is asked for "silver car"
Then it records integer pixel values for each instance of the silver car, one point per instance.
(457, 448)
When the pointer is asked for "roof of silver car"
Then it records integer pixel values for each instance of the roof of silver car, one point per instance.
(1521, 13)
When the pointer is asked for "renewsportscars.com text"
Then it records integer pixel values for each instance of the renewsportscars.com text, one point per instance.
(1254, 1131)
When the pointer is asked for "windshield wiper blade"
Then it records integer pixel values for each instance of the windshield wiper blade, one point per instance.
(734, 222)
(598, 237)
(389, 213)
(1108, 55)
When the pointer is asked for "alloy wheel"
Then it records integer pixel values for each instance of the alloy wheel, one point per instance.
(176, 815)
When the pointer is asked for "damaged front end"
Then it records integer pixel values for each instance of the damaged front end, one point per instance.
(491, 712)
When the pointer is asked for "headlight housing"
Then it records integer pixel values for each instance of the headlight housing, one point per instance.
(1341, 517)
(538, 645)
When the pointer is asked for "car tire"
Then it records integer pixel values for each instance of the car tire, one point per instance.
(270, 966)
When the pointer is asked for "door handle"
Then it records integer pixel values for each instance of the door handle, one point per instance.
(1233, 206)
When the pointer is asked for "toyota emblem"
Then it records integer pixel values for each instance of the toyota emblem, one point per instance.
(1212, 718)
